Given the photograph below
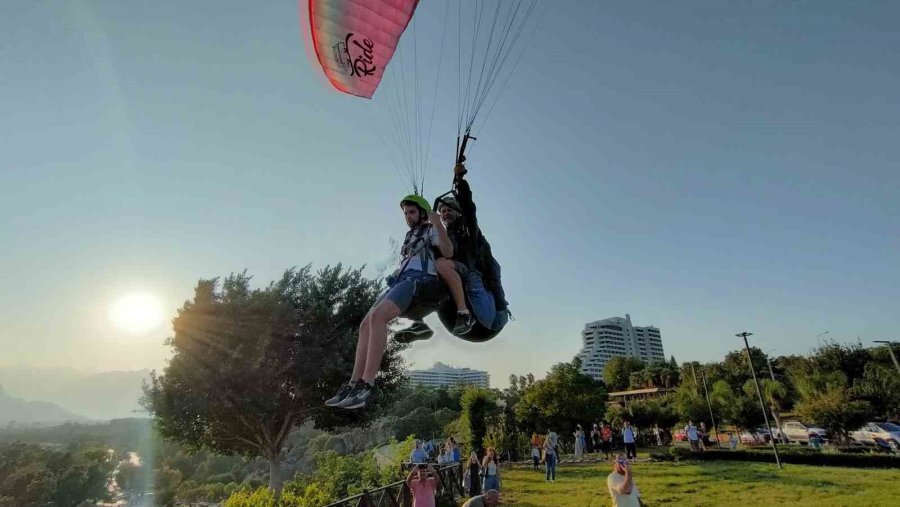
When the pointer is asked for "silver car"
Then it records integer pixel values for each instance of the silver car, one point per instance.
(796, 431)
(887, 432)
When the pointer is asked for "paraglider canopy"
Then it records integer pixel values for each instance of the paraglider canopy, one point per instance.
(355, 39)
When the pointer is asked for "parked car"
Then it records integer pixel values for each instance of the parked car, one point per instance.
(796, 431)
(887, 432)
(759, 436)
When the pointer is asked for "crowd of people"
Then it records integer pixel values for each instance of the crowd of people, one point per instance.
(482, 478)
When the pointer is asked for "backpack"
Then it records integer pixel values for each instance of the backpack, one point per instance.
(487, 265)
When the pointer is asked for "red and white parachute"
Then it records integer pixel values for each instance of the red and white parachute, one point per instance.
(359, 45)
(355, 39)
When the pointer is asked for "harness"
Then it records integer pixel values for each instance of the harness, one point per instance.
(416, 244)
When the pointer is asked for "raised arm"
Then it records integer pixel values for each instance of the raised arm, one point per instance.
(464, 197)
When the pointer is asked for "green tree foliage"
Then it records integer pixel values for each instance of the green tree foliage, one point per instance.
(617, 372)
(251, 364)
(658, 375)
(839, 388)
(335, 477)
(826, 400)
(564, 398)
(34, 475)
(880, 387)
(734, 369)
(740, 408)
(478, 406)
(689, 404)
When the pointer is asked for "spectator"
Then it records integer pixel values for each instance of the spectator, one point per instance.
(658, 433)
(693, 436)
(579, 442)
(704, 436)
(428, 447)
(628, 440)
(621, 484)
(455, 450)
(535, 451)
(554, 440)
(606, 441)
(595, 438)
(488, 499)
(732, 440)
(422, 483)
(472, 479)
(418, 455)
(550, 460)
(490, 469)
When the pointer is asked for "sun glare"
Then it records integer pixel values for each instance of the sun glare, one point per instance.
(136, 313)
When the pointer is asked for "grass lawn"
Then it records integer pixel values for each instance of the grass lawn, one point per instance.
(735, 484)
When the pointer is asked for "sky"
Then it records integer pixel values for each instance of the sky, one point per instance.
(708, 167)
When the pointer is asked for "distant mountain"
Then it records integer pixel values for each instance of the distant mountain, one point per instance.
(28, 412)
(106, 395)
(34, 383)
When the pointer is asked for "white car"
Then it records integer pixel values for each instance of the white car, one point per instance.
(796, 431)
(888, 432)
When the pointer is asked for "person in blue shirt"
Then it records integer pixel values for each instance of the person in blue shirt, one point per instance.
(418, 455)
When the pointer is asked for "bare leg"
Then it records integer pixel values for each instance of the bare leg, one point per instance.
(380, 316)
(362, 348)
(447, 270)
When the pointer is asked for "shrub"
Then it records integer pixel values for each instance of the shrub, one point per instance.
(681, 453)
(662, 456)
(797, 457)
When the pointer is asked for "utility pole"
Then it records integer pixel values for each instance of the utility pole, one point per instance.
(762, 404)
(772, 402)
(890, 347)
(709, 405)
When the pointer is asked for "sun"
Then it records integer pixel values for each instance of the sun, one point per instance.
(136, 313)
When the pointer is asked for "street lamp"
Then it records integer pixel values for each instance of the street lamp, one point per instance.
(762, 404)
(890, 347)
(821, 334)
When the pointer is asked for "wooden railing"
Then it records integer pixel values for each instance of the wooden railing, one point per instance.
(397, 494)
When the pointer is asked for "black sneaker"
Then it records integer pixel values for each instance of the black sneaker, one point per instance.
(341, 394)
(464, 323)
(417, 331)
(362, 394)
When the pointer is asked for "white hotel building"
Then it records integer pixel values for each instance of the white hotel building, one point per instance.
(441, 375)
(607, 338)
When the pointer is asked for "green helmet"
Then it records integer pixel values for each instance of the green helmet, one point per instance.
(418, 200)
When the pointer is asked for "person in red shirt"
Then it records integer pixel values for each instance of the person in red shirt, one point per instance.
(606, 441)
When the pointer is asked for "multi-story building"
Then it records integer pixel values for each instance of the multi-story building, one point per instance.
(607, 338)
(441, 375)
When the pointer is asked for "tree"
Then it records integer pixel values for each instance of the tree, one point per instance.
(564, 398)
(478, 405)
(740, 408)
(689, 405)
(249, 365)
(617, 372)
(84, 477)
(879, 386)
(827, 400)
(836, 411)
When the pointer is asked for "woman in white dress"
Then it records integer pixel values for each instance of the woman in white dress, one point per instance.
(579, 443)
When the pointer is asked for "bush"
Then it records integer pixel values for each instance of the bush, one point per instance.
(680, 453)
(662, 456)
(796, 457)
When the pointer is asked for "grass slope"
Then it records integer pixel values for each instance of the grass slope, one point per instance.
(734, 484)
